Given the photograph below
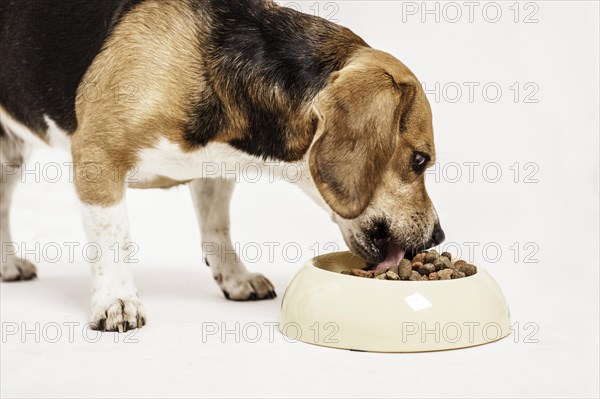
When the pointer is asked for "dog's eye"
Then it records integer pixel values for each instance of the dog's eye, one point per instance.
(419, 162)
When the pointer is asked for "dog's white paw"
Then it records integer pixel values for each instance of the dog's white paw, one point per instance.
(16, 269)
(117, 314)
(246, 287)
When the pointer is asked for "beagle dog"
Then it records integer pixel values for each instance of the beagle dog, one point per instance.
(163, 87)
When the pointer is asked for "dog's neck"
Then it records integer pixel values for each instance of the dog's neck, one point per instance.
(266, 80)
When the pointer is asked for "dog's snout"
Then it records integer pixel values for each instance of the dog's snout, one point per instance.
(438, 236)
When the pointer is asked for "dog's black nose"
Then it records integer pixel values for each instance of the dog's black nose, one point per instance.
(438, 235)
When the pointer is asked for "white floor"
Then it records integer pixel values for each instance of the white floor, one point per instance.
(546, 230)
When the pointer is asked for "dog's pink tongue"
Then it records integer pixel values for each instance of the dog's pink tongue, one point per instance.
(394, 255)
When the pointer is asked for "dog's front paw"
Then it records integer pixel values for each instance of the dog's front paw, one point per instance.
(247, 287)
(118, 314)
(16, 269)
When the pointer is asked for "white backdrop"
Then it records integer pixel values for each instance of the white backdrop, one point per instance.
(514, 90)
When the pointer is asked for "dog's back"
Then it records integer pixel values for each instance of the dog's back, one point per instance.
(46, 47)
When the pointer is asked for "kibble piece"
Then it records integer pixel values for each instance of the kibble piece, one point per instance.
(446, 261)
(447, 255)
(454, 265)
(457, 274)
(468, 269)
(404, 263)
(392, 276)
(395, 269)
(439, 264)
(434, 276)
(415, 276)
(361, 273)
(380, 277)
(416, 265)
(445, 274)
(458, 263)
(405, 269)
(426, 269)
(430, 257)
(379, 272)
(420, 257)
(424, 278)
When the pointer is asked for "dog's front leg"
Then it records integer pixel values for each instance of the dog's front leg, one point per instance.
(211, 200)
(115, 302)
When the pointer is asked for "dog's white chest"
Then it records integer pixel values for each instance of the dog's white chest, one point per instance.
(214, 160)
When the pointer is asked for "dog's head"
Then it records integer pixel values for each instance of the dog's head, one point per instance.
(373, 144)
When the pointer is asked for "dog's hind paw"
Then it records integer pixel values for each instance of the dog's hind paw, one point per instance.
(118, 314)
(247, 287)
(16, 269)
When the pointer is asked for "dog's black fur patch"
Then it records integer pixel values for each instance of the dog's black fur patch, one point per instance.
(256, 46)
(46, 46)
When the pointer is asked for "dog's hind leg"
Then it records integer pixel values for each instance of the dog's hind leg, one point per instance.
(211, 200)
(12, 156)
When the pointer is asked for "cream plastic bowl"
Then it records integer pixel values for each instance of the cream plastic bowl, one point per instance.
(324, 307)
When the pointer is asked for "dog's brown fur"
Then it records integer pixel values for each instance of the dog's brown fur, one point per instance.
(153, 50)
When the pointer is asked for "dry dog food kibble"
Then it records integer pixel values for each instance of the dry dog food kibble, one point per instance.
(415, 276)
(424, 266)
(457, 274)
(467, 269)
(445, 274)
(404, 269)
(434, 276)
(361, 273)
(426, 269)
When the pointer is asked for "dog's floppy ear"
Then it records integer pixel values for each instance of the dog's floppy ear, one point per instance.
(360, 112)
